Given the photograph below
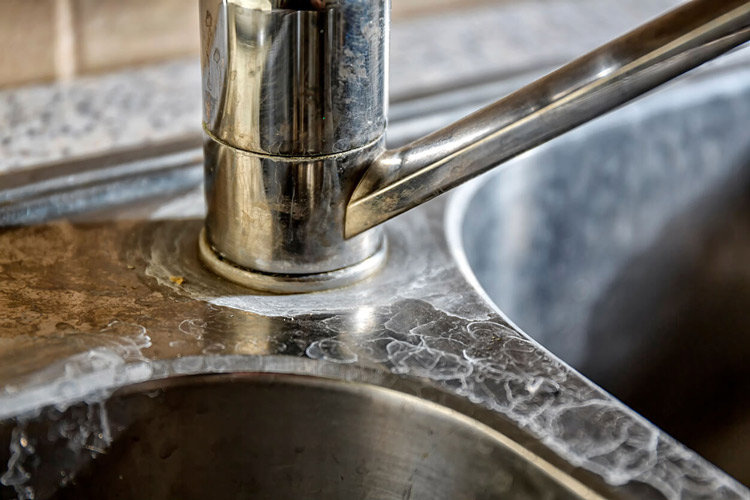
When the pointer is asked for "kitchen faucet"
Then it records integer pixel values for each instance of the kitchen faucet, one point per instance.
(298, 179)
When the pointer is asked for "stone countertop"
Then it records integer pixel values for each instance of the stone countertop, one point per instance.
(96, 114)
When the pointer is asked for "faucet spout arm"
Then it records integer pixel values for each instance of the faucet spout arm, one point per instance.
(596, 83)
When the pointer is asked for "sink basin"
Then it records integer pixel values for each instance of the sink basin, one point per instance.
(265, 436)
(624, 248)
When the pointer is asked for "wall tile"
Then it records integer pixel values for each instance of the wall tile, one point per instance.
(115, 33)
(44, 39)
(27, 38)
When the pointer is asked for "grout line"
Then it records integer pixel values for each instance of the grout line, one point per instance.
(65, 41)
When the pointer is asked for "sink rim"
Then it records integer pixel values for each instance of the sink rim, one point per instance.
(709, 85)
(357, 382)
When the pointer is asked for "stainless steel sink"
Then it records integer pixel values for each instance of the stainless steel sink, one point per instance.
(624, 248)
(127, 358)
(275, 436)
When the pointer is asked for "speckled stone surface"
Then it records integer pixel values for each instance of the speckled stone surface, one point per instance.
(97, 114)
(93, 115)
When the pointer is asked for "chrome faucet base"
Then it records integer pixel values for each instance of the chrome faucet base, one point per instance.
(294, 113)
(283, 215)
(291, 283)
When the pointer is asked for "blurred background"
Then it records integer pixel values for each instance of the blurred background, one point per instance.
(44, 40)
(87, 77)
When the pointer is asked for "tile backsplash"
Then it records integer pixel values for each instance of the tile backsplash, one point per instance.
(27, 40)
(43, 40)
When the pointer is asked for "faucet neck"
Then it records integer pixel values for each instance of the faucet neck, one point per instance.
(294, 95)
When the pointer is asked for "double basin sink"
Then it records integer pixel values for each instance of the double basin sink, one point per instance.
(621, 248)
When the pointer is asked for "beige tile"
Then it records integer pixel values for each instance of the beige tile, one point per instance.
(114, 33)
(27, 38)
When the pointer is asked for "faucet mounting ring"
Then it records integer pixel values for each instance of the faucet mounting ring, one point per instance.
(290, 283)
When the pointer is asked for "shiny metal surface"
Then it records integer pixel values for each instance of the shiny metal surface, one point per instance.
(303, 80)
(70, 188)
(284, 436)
(284, 215)
(596, 83)
(81, 321)
(623, 248)
(292, 283)
(112, 182)
(139, 306)
(294, 111)
(294, 77)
